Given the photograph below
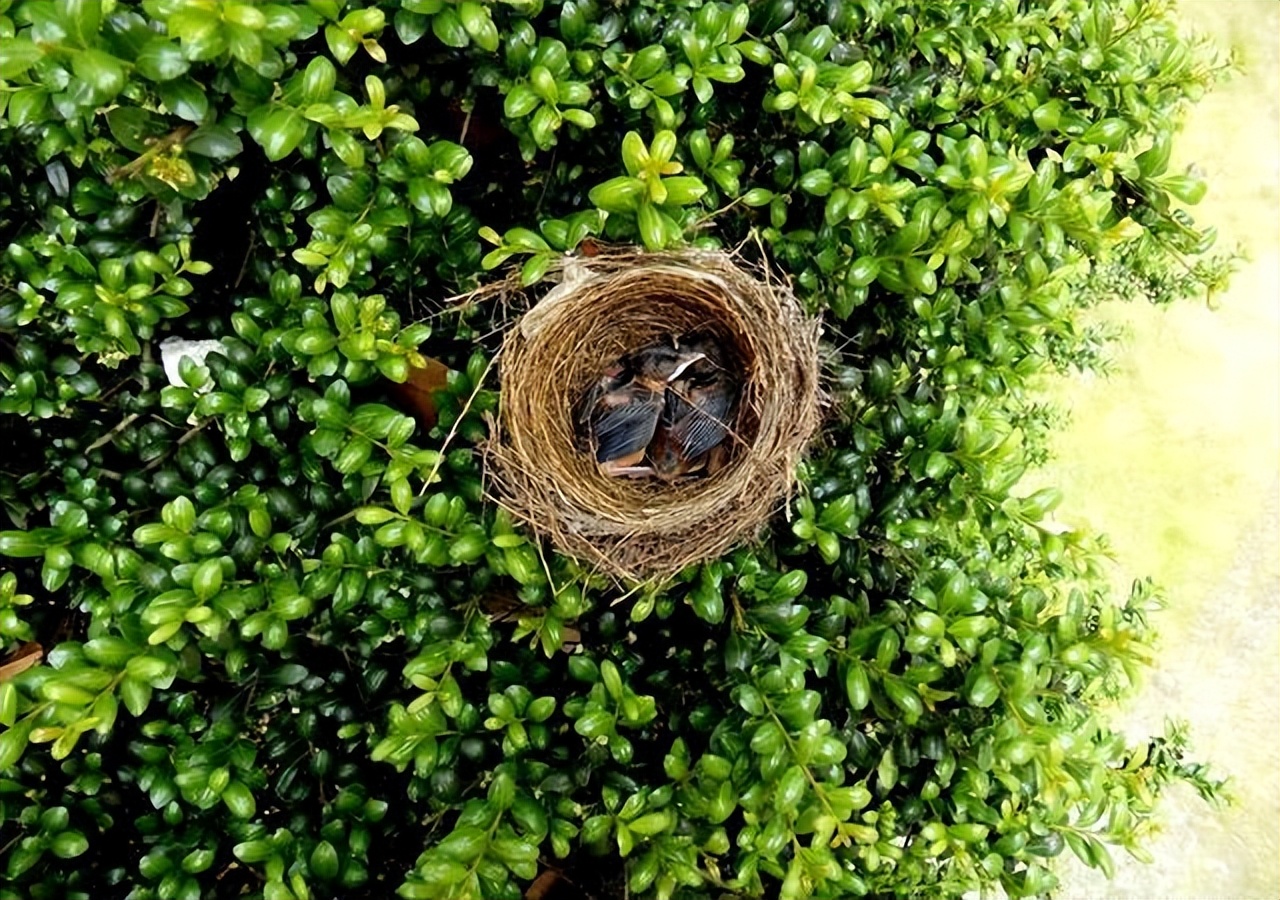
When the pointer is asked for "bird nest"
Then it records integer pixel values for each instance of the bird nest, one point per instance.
(607, 306)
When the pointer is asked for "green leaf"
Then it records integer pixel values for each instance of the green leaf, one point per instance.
(817, 182)
(635, 156)
(21, 544)
(448, 28)
(340, 42)
(652, 231)
(1187, 188)
(112, 652)
(767, 739)
(324, 861)
(374, 515)
(180, 514)
(594, 724)
(278, 131)
(919, 275)
(857, 686)
(239, 800)
(430, 196)
(101, 71)
(541, 709)
(136, 695)
(207, 580)
(708, 603)
(520, 101)
(905, 698)
(984, 691)
(791, 788)
(133, 127)
(478, 24)
(253, 851)
(318, 80)
(618, 195)
(161, 60)
(1109, 133)
(185, 99)
(683, 189)
(648, 62)
(579, 117)
(463, 844)
(315, 341)
(69, 845)
(611, 679)
(197, 861)
(652, 823)
(354, 454)
(790, 585)
(16, 56)
(214, 141)
(1047, 115)
(863, 271)
(12, 742)
(970, 627)
(8, 704)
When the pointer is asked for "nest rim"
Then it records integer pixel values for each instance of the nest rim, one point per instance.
(613, 303)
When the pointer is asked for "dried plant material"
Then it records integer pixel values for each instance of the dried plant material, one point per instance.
(602, 308)
(542, 886)
(417, 392)
(26, 656)
(504, 607)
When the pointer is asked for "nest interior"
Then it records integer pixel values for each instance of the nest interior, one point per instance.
(612, 304)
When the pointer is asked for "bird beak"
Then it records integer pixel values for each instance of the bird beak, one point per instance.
(684, 365)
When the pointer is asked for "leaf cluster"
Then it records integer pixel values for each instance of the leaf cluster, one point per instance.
(289, 649)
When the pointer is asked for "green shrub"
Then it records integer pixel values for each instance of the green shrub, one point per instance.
(268, 597)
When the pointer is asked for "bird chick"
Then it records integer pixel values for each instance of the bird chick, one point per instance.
(614, 377)
(695, 420)
(625, 416)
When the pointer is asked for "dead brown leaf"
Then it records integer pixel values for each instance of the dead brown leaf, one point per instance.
(417, 393)
(26, 656)
(505, 606)
(542, 885)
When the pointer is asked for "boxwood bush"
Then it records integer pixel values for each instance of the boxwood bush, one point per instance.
(285, 647)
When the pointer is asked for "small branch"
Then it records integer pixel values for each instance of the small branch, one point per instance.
(128, 170)
(106, 438)
(244, 264)
(453, 429)
(466, 123)
(182, 440)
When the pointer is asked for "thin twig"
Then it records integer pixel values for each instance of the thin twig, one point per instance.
(453, 429)
(244, 263)
(106, 438)
(551, 168)
(182, 440)
(466, 123)
(161, 144)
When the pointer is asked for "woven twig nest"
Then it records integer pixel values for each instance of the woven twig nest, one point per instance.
(609, 305)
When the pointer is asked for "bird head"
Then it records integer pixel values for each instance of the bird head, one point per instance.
(659, 365)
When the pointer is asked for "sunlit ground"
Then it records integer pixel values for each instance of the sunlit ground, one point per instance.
(1177, 458)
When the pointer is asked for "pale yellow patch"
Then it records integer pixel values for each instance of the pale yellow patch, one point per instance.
(1177, 458)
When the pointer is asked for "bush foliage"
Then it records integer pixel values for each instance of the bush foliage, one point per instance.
(290, 652)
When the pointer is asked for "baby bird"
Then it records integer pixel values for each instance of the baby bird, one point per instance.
(625, 415)
(694, 421)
